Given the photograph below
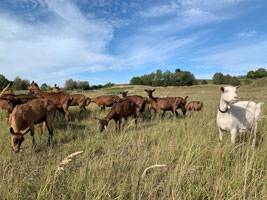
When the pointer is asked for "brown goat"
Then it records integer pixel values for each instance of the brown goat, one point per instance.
(80, 100)
(194, 106)
(61, 99)
(3, 103)
(138, 100)
(55, 89)
(9, 101)
(26, 115)
(105, 101)
(120, 110)
(167, 103)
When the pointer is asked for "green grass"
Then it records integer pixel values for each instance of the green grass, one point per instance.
(111, 165)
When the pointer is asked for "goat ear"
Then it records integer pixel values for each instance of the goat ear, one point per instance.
(11, 131)
(153, 90)
(238, 87)
(186, 97)
(126, 92)
(146, 90)
(222, 89)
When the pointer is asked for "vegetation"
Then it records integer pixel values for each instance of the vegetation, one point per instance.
(19, 84)
(259, 73)
(3, 81)
(110, 165)
(204, 82)
(219, 78)
(178, 78)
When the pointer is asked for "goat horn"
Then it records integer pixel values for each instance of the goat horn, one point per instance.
(25, 131)
(3, 91)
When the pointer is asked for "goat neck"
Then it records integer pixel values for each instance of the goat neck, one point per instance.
(223, 107)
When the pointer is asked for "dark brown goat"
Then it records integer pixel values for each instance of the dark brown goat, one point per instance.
(80, 100)
(167, 103)
(61, 99)
(138, 100)
(105, 101)
(26, 115)
(194, 106)
(120, 110)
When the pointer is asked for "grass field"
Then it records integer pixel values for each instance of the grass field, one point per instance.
(111, 164)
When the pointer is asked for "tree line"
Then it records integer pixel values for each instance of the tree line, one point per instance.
(259, 73)
(70, 84)
(177, 78)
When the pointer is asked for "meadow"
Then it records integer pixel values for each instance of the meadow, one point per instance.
(112, 164)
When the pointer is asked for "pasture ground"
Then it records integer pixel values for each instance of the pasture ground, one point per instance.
(112, 163)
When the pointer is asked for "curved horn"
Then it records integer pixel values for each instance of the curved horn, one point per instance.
(3, 91)
(24, 132)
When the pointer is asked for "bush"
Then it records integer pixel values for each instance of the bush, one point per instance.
(204, 82)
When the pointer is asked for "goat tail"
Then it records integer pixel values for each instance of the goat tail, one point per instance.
(258, 111)
(260, 104)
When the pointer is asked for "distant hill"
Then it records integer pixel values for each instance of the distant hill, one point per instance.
(256, 83)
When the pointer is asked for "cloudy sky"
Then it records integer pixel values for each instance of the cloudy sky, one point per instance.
(113, 40)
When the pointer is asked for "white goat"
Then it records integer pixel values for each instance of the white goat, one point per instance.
(234, 115)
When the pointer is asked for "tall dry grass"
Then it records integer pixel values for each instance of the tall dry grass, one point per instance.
(111, 166)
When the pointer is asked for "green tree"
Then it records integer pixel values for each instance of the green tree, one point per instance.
(234, 81)
(19, 84)
(3, 81)
(218, 78)
(70, 84)
(84, 85)
(260, 73)
(136, 81)
(167, 78)
(158, 80)
(251, 74)
(43, 87)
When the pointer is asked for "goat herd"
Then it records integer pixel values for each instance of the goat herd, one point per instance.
(23, 111)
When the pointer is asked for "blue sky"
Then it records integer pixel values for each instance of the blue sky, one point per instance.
(113, 40)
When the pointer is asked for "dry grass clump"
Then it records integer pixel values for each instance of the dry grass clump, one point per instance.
(66, 161)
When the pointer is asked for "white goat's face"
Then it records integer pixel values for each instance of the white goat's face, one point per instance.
(229, 95)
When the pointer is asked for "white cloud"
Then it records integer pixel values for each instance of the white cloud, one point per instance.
(70, 44)
(236, 60)
(247, 34)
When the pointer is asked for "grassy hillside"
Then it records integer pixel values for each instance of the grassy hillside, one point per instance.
(111, 164)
